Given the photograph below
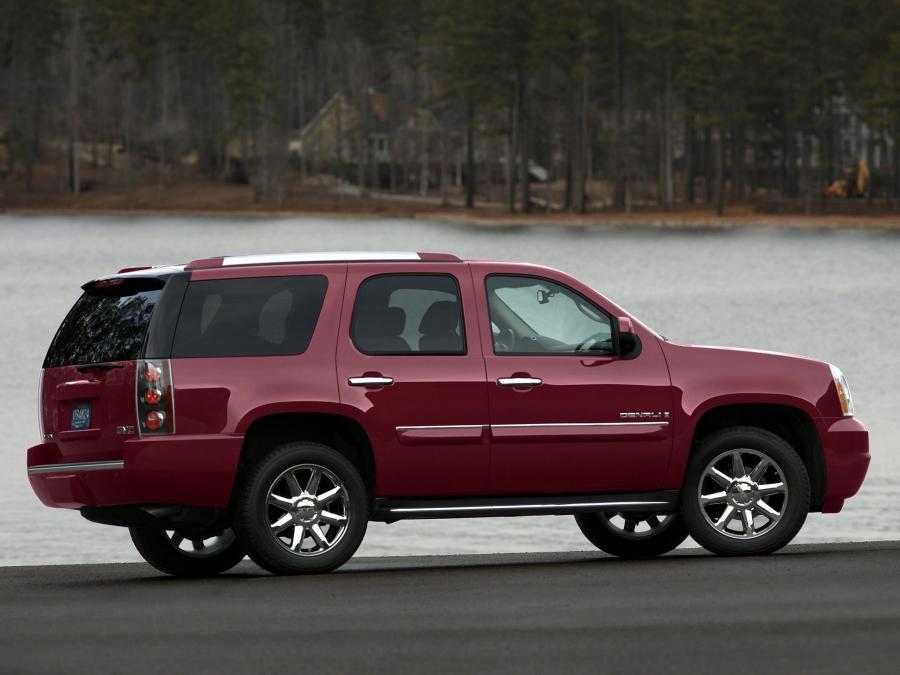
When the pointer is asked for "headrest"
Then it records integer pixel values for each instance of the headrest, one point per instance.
(441, 318)
(393, 321)
(372, 323)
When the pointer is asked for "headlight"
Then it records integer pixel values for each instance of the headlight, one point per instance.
(843, 391)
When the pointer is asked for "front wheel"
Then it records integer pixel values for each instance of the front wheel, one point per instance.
(187, 555)
(633, 535)
(746, 492)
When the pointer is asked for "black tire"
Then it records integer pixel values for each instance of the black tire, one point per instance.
(607, 537)
(156, 547)
(793, 509)
(252, 512)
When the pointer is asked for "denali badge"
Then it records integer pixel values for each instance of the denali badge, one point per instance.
(644, 415)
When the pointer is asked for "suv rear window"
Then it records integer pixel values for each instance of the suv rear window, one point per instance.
(265, 316)
(105, 324)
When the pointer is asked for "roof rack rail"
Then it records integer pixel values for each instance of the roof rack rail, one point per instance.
(317, 257)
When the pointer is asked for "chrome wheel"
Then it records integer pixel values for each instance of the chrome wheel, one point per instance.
(203, 547)
(636, 525)
(743, 493)
(308, 509)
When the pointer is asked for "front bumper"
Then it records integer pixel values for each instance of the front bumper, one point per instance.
(845, 442)
(184, 470)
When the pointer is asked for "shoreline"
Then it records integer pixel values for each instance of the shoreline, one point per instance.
(486, 219)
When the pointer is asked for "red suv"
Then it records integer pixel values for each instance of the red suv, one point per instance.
(273, 405)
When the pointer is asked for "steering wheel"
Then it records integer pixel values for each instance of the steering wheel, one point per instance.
(593, 341)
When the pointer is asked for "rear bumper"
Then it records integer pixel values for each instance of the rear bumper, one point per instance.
(845, 442)
(184, 470)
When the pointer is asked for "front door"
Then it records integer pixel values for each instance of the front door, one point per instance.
(410, 367)
(566, 414)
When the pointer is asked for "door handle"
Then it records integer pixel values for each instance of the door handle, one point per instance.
(370, 381)
(519, 381)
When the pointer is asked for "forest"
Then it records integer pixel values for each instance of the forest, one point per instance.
(554, 105)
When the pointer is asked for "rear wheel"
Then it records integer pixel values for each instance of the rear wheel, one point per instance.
(301, 509)
(746, 492)
(187, 555)
(633, 535)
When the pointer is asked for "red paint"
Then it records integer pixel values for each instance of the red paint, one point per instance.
(479, 450)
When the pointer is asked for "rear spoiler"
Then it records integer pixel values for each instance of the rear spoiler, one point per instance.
(131, 280)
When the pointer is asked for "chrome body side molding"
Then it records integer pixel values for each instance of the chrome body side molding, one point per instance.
(440, 427)
(75, 467)
(569, 425)
(543, 425)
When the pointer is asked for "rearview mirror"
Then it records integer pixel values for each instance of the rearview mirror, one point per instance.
(543, 297)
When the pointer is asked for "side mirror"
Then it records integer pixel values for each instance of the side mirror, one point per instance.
(629, 344)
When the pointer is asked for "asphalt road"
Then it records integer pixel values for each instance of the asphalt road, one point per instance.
(808, 609)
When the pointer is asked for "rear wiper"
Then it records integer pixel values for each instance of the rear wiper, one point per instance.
(98, 366)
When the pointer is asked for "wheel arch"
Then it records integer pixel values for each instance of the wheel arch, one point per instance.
(792, 424)
(335, 430)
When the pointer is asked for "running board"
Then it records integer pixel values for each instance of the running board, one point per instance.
(389, 510)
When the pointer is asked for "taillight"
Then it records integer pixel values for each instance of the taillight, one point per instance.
(155, 397)
(40, 398)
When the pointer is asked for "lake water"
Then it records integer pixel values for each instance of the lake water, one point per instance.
(832, 295)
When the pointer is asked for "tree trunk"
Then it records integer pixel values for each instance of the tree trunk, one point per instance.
(896, 166)
(423, 162)
(720, 170)
(164, 111)
(525, 144)
(708, 162)
(621, 192)
(578, 159)
(470, 156)
(129, 143)
(512, 149)
(445, 166)
(74, 59)
(570, 161)
(338, 139)
(790, 159)
(582, 146)
(668, 151)
(689, 177)
(738, 148)
(806, 170)
(870, 157)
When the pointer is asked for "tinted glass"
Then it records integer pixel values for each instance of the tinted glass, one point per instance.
(408, 314)
(268, 316)
(102, 328)
(536, 316)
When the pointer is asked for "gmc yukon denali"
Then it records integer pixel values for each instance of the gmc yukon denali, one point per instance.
(273, 405)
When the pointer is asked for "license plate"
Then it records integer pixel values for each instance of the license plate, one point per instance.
(81, 416)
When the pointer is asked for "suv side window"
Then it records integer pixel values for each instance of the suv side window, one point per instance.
(408, 314)
(265, 316)
(530, 315)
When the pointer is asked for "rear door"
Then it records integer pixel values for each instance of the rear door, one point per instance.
(88, 384)
(410, 364)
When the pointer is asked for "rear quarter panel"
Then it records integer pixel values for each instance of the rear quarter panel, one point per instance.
(225, 395)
